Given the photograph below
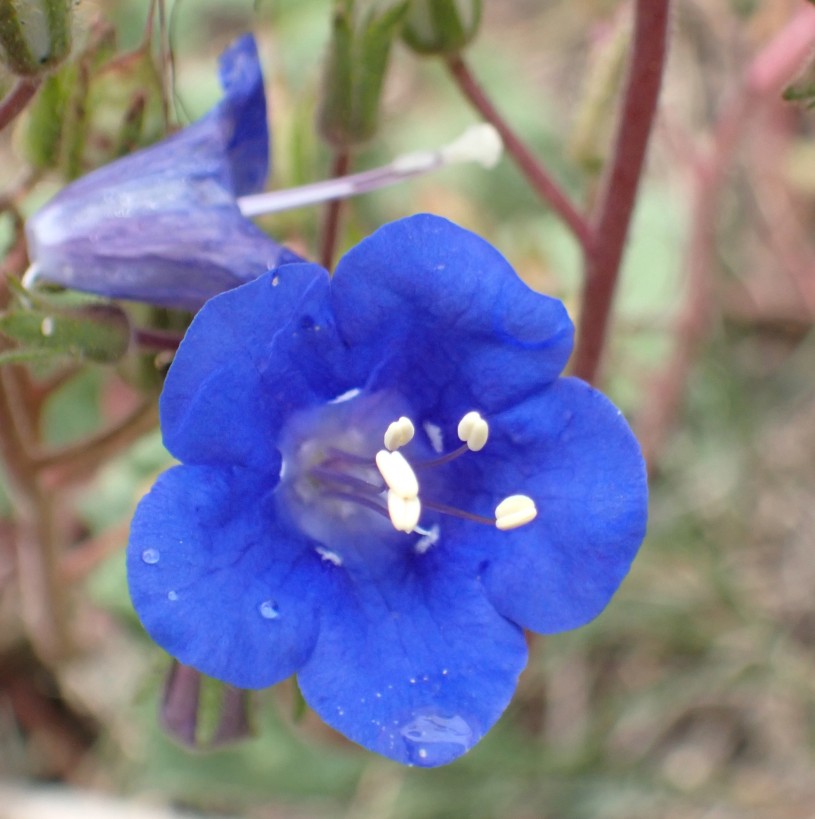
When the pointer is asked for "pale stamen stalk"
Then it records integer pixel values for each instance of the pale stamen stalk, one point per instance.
(480, 143)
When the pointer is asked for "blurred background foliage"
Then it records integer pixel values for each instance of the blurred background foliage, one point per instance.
(693, 695)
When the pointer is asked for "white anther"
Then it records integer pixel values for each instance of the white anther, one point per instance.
(399, 433)
(515, 511)
(404, 512)
(473, 430)
(397, 473)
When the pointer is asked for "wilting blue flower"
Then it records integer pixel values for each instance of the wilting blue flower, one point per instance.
(162, 225)
(274, 548)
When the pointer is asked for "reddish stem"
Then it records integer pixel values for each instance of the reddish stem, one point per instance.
(331, 222)
(16, 99)
(529, 165)
(619, 191)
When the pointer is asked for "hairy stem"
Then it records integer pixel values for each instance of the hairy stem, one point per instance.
(529, 165)
(16, 100)
(619, 190)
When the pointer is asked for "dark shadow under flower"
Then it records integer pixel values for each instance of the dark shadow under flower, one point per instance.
(344, 444)
(163, 225)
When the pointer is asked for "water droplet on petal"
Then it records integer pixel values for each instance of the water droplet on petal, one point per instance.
(433, 739)
(269, 610)
(172, 596)
(151, 556)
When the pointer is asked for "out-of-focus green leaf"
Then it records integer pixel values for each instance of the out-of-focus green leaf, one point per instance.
(96, 332)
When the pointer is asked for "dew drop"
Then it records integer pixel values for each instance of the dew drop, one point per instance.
(268, 609)
(275, 281)
(172, 596)
(151, 556)
(433, 739)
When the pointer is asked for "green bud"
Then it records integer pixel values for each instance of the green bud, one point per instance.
(355, 71)
(93, 332)
(35, 35)
(441, 26)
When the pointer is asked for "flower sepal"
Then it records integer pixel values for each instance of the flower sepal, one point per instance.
(441, 27)
(355, 70)
(35, 35)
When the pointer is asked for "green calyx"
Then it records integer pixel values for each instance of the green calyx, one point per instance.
(35, 35)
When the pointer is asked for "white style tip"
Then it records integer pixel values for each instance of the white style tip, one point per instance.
(399, 433)
(473, 430)
(404, 512)
(479, 143)
(397, 473)
(515, 511)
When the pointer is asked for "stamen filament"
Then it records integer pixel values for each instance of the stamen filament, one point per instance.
(341, 456)
(442, 459)
(457, 513)
(331, 476)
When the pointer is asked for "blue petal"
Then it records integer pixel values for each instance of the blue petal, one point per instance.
(440, 314)
(241, 115)
(414, 664)
(218, 582)
(162, 225)
(250, 358)
(572, 451)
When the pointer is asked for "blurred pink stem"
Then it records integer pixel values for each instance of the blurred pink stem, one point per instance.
(16, 99)
(770, 71)
(619, 191)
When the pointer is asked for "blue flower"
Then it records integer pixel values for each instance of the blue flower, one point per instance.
(287, 542)
(162, 225)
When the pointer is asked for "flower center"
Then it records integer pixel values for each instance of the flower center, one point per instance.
(339, 480)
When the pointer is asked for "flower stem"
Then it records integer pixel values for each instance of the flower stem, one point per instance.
(16, 100)
(331, 221)
(619, 190)
(532, 169)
